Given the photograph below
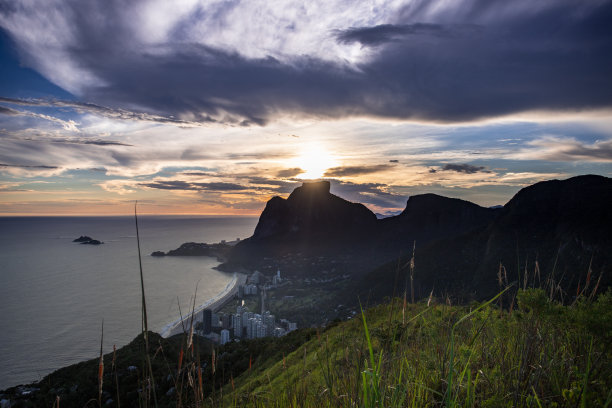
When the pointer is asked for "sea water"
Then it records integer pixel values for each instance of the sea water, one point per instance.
(54, 294)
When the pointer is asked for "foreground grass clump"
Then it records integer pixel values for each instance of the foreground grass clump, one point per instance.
(540, 354)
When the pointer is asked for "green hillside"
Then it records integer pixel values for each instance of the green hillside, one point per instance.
(538, 354)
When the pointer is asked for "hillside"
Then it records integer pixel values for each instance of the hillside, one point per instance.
(539, 353)
(554, 230)
(563, 225)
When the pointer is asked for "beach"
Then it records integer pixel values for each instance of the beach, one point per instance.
(214, 304)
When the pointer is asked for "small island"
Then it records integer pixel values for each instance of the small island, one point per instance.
(85, 240)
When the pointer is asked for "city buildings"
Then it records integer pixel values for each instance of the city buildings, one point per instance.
(245, 324)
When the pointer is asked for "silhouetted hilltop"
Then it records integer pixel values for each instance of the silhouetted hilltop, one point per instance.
(577, 206)
(312, 213)
(314, 221)
(564, 225)
(310, 220)
(429, 217)
(567, 221)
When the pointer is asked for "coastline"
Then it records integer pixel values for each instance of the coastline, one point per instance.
(176, 327)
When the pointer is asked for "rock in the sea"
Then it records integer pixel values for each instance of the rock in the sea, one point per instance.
(158, 253)
(82, 238)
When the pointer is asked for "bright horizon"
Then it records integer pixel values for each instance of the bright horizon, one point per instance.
(211, 108)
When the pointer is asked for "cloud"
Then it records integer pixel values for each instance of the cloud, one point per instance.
(91, 142)
(287, 173)
(223, 62)
(462, 168)
(29, 170)
(277, 186)
(69, 125)
(198, 174)
(566, 150)
(7, 187)
(348, 171)
(103, 111)
(384, 33)
(8, 111)
(118, 186)
(189, 186)
(82, 141)
(376, 195)
(25, 166)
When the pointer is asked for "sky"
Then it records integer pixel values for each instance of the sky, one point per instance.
(215, 106)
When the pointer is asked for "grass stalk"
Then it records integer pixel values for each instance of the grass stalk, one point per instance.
(145, 324)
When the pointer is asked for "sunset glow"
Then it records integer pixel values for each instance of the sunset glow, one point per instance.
(315, 160)
(215, 107)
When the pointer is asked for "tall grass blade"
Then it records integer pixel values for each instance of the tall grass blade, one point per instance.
(145, 325)
(449, 387)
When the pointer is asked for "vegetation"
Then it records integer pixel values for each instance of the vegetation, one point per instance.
(538, 353)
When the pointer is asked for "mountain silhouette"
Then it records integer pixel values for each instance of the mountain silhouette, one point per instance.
(429, 217)
(564, 225)
(310, 215)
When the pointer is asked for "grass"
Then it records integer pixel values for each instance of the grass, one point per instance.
(540, 354)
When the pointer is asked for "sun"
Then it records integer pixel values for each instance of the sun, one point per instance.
(315, 160)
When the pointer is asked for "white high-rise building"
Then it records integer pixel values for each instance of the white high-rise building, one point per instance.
(225, 336)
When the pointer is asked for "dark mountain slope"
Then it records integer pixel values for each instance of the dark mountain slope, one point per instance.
(564, 225)
(429, 217)
(311, 214)
(314, 222)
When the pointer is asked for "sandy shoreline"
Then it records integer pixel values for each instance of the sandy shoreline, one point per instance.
(214, 304)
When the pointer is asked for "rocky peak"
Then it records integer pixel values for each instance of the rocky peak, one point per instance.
(312, 212)
(311, 188)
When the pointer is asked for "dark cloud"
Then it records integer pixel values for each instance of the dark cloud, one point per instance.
(194, 154)
(188, 186)
(573, 150)
(96, 142)
(258, 156)
(81, 107)
(198, 174)
(279, 186)
(462, 168)
(220, 186)
(286, 173)
(393, 161)
(260, 185)
(385, 33)
(24, 166)
(46, 137)
(553, 56)
(8, 111)
(347, 171)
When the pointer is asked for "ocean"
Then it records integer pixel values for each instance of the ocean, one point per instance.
(54, 293)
